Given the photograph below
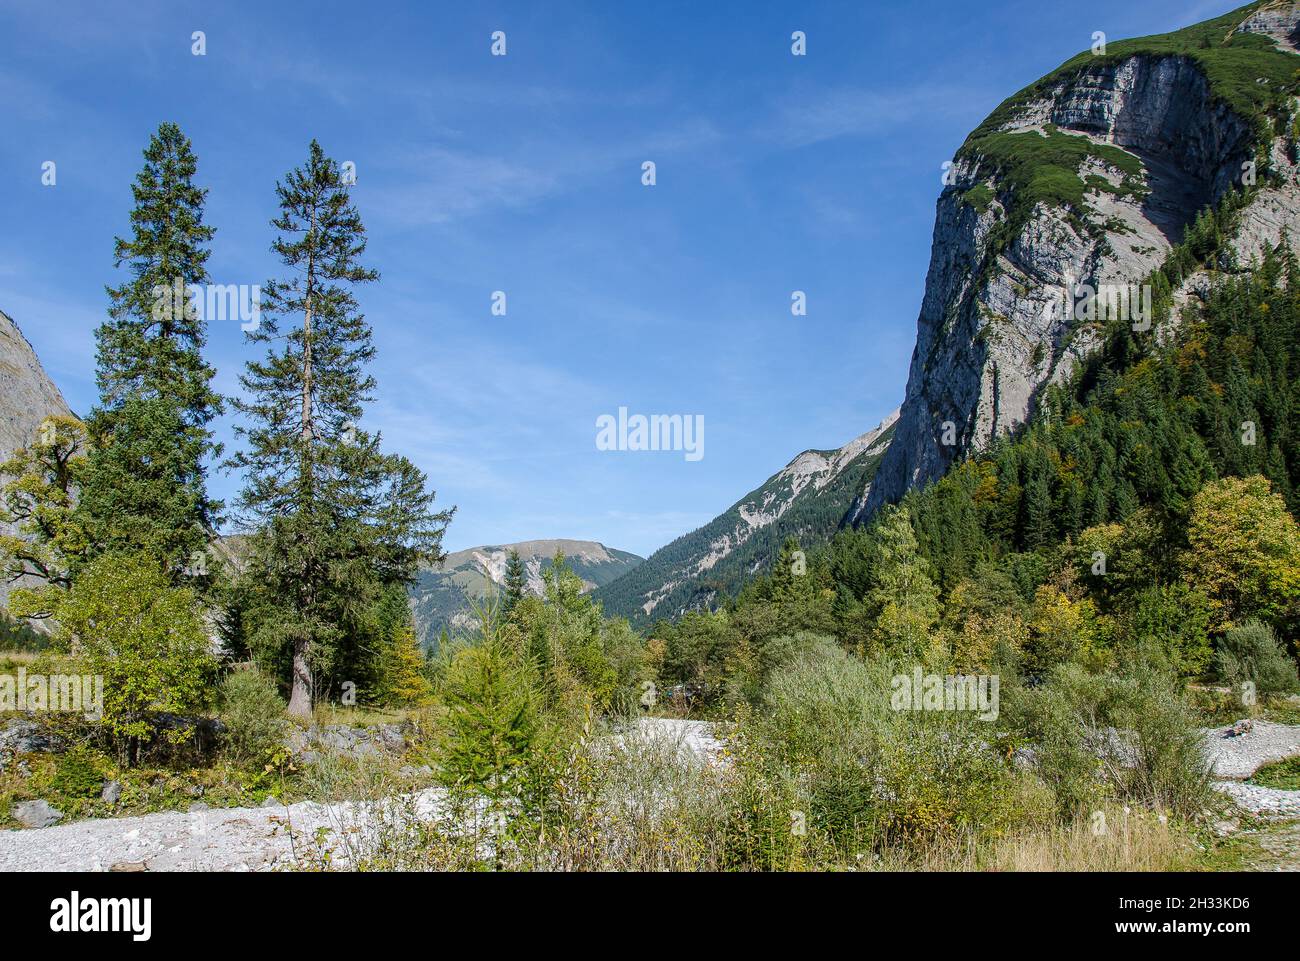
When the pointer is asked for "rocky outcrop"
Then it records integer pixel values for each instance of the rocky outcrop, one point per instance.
(999, 322)
(27, 397)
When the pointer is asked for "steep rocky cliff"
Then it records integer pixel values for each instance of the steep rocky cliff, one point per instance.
(1079, 185)
(27, 397)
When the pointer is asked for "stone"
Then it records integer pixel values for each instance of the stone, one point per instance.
(36, 814)
(111, 793)
(197, 806)
(25, 736)
(271, 802)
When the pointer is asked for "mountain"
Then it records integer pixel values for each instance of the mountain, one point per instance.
(442, 595)
(27, 397)
(808, 499)
(1081, 183)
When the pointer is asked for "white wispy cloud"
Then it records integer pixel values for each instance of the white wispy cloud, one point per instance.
(816, 115)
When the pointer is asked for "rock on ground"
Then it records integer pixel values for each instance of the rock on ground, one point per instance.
(1237, 757)
(264, 838)
(229, 839)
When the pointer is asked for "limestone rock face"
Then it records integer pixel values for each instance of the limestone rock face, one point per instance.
(994, 327)
(27, 397)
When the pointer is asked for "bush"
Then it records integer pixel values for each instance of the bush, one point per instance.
(493, 732)
(828, 747)
(77, 773)
(1252, 653)
(1131, 737)
(124, 620)
(253, 713)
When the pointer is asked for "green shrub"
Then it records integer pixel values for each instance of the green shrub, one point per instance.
(124, 620)
(827, 744)
(1131, 737)
(253, 714)
(77, 773)
(1252, 653)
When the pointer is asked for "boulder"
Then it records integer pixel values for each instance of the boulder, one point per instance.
(23, 735)
(36, 814)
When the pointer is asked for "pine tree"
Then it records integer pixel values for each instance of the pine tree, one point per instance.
(904, 597)
(145, 483)
(338, 521)
(404, 680)
(516, 582)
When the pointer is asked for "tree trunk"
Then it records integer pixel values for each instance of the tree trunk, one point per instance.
(300, 692)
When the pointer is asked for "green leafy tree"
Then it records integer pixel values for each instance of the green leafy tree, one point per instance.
(1243, 552)
(1168, 625)
(125, 621)
(40, 504)
(337, 520)
(144, 487)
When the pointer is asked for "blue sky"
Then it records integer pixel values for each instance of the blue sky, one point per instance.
(522, 173)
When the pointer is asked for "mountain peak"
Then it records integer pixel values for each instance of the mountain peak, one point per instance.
(1083, 182)
(442, 595)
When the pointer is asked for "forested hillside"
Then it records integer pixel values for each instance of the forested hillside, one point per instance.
(1149, 504)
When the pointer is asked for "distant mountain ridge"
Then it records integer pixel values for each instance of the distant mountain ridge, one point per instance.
(442, 595)
(808, 499)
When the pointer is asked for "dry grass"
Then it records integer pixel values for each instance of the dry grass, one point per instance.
(326, 714)
(1136, 841)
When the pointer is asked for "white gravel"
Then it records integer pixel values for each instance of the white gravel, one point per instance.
(239, 839)
(1264, 801)
(218, 839)
(697, 736)
(263, 839)
(1238, 757)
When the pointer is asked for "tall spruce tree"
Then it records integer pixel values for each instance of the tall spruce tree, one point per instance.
(144, 487)
(337, 522)
(516, 581)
